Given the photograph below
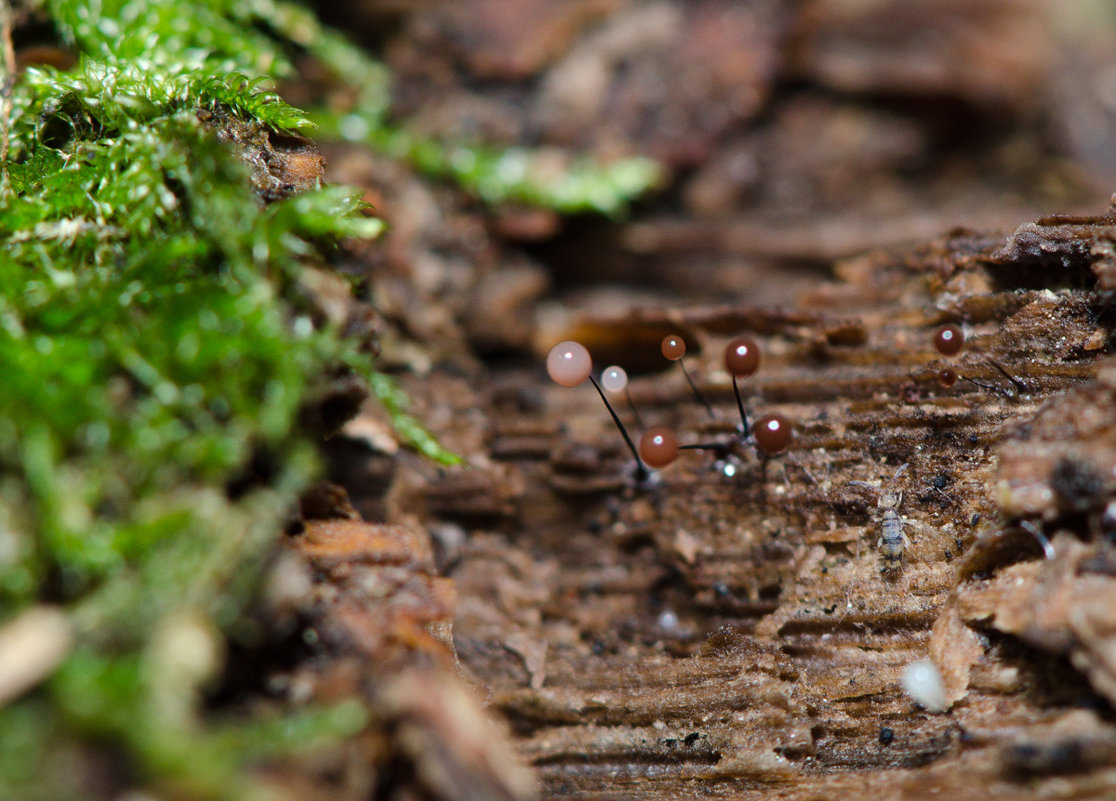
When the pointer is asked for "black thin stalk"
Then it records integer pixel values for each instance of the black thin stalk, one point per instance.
(641, 469)
(1019, 385)
(635, 411)
(723, 448)
(987, 387)
(740, 406)
(697, 392)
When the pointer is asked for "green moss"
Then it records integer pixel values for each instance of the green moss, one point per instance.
(153, 349)
(391, 395)
(522, 175)
(226, 37)
(156, 352)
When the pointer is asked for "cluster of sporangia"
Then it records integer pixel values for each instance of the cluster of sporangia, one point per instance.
(569, 364)
(948, 341)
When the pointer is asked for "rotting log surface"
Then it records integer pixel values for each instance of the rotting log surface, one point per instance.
(739, 636)
(735, 636)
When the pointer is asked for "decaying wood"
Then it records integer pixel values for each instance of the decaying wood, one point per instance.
(369, 619)
(738, 636)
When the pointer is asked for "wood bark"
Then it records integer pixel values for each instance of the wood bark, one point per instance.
(740, 635)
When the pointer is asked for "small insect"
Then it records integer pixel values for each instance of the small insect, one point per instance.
(893, 541)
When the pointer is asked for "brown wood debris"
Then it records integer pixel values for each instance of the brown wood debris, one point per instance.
(1065, 605)
(738, 635)
(279, 164)
(373, 621)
